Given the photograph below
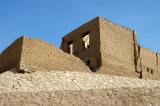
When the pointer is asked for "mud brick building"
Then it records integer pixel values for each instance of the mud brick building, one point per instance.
(105, 47)
(110, 48)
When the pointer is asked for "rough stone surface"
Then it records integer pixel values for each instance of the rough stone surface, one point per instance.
(76, 88)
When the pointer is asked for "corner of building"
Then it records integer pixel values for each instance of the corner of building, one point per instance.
(10, 57)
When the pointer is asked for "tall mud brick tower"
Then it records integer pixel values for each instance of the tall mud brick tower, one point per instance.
(109, 48)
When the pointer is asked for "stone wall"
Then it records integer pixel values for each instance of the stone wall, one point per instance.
(44, 88)
(90, 56)
(117, 49)
(10, 57)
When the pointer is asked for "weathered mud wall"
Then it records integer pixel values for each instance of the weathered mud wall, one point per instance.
(10, 57)
(158, 56)
(92, 55)
(37, 54)
(117, 49)
(148, 64)
(28, 54)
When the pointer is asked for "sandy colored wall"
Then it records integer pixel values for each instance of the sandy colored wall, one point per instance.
(93, 53)
(158, 63)
(117, 49)
(149, 64)
(10, 57)
(37, 54)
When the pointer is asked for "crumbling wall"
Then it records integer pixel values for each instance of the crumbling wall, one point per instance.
(117, 49)
(37, 54)
(10, 57)
(91, 55)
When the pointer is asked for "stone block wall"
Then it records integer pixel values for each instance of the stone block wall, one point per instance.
(117, 49)
(10, 57)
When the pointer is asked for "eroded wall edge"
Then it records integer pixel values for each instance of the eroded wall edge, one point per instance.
(10, 57)
(40, 55)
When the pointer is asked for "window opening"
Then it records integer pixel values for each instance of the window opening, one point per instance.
(70, 45)
(151, 71)
(86, 40)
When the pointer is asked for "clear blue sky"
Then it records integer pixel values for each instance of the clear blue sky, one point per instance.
(50, 20)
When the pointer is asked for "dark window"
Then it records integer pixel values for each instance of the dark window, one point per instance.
(86, 33)
(147, 69)
(151, 71)
(70, 47)
(70, 42)
(92, 69)
(88, 62)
